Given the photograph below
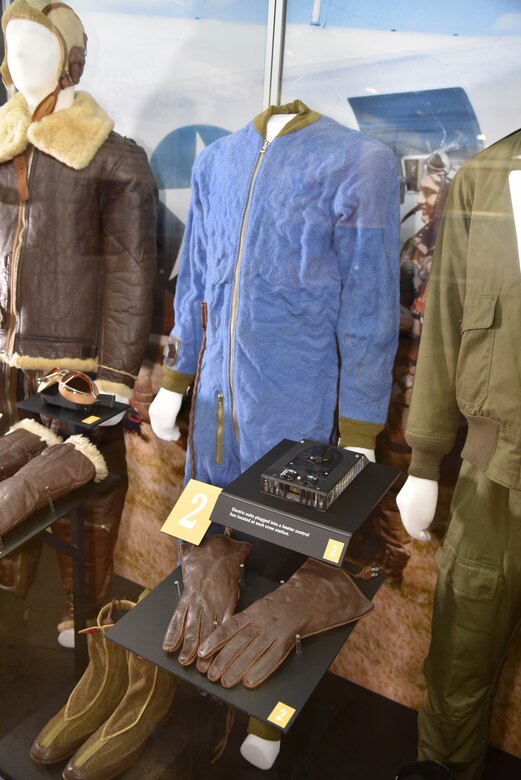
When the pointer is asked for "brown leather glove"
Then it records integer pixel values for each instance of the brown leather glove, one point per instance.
(57, 471)
(211, 591)
(254, 643)
(22, 442)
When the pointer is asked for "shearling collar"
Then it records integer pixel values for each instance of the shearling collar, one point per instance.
(72, 135)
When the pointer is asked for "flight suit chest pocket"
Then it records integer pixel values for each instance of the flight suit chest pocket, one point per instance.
(475, 354)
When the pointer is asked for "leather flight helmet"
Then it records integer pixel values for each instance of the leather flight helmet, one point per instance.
(438, 166)
(61, 20)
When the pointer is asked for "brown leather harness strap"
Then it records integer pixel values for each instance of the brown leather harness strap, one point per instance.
(47, 105)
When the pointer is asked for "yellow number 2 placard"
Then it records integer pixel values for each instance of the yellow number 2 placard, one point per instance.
(281, 715)
(189, 520)
(333, 550)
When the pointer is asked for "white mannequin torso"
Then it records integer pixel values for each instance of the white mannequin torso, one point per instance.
(34, 61)
(275, 125)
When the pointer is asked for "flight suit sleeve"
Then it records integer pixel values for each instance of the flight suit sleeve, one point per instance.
(184, 343)
(434, 414)
(366, 240)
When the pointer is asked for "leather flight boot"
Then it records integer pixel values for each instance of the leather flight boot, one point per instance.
(102, 521)
(18, 570)
(392, 560)
(94, 698)
(393, 545)
(23, 442)
(115, 746)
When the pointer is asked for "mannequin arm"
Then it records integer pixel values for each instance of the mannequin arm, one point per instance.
(367, 245)
(163, 414)
(417, 504)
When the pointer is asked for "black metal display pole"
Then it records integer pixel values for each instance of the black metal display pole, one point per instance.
(76, 551)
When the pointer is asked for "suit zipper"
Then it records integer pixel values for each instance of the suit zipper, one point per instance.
(235, 290)
(219, 429)
(15, 263)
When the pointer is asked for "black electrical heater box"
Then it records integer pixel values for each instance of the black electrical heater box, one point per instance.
(312, 474)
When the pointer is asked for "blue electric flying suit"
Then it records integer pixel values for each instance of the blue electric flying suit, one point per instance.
(293, 245)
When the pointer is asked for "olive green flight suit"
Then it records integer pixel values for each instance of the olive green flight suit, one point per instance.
(477, 611)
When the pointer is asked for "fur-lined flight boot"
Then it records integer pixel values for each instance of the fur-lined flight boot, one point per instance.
(22, 442)
(94, 698)
(56, 472)
(117, 744)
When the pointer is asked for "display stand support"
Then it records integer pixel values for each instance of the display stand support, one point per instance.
(37, 524)
(142, 629)
(275, 524)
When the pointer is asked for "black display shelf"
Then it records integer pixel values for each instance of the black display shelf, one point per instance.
(76, 417)
(45, 517)
(142, 629)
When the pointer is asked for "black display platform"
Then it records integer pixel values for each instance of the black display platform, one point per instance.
(45, 517)
(142, 629)
(37, 405)
(244, 507)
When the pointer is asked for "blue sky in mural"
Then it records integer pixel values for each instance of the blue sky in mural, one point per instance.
(251, 11)
(461, 17)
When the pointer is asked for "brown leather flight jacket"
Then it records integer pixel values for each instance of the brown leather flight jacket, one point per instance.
(77, 243)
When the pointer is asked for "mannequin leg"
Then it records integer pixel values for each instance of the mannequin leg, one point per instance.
(262, 744)
(476, 613)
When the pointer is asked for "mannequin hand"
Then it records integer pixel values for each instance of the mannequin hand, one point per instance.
(163, 414)
(369, 454)
(417, 504)
(120, 399)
